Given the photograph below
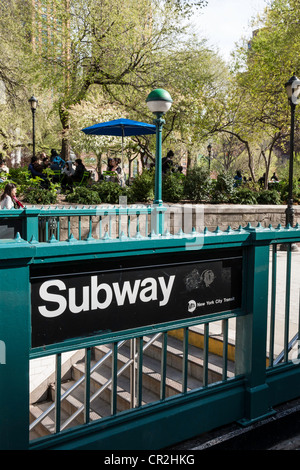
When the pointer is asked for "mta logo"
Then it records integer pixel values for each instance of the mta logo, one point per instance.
(2, 353)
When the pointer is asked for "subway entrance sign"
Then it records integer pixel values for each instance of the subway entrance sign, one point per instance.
(110, 295)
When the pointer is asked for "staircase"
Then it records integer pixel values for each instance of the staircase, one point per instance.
(100, 407)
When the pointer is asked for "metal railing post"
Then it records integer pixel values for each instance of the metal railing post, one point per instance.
(31, 222)
(252, 333)
(15, 337)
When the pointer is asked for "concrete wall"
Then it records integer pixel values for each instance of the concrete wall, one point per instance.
(223, 215)
(212, 216)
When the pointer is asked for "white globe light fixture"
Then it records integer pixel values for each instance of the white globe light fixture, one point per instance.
(159, 101)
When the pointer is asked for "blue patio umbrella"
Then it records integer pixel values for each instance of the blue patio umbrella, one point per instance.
(120, 127)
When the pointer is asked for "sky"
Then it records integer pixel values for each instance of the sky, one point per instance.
(224, 22)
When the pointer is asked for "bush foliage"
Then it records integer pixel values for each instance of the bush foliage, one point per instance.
(196, 186)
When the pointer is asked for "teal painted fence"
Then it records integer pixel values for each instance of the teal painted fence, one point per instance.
(44, 223)
(262, 377)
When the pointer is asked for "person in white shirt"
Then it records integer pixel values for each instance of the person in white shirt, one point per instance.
(8, 198)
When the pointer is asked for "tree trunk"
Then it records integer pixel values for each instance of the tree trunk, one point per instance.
(65, 122)
(99, 166)
(189, 160)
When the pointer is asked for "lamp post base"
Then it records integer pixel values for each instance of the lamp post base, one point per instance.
(289, 217)
(289, 213)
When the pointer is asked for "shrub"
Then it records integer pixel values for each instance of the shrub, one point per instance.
(197, 185)
(284, 191)
(268, 196)
(83, 195)
(243, 196)
(142, 188)
(20, 176)
(38, 195)
(109, 192)
(31, 188)
(173, 187)
(222, 189)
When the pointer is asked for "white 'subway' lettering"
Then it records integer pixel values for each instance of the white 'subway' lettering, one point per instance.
(99, 296)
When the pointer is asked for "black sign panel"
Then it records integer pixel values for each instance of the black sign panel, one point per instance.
(130, 295)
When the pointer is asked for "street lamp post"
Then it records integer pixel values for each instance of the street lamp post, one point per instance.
(293, 89)
(209, 147)
(159, 102)
(33, 104)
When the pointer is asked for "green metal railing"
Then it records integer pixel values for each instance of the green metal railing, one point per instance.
(134, 361)
(46, 223)
(284, 262)
(265, 372)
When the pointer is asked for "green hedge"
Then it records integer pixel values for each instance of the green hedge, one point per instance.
(196, 186)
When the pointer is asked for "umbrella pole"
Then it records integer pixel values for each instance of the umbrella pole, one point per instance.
(122, 147)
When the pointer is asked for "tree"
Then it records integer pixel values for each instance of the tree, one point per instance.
(254, 107)
(12, 73)
(96, 109)
(110, 44)
(263, 70)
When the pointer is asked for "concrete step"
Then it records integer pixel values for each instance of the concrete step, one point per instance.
(151, 373)
(196, 338)
(75, 400)
(195, 359)
(47, 425)
(100, 378)
(151, 381)
(174, 360)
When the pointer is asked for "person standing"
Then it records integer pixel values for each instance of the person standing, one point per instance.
(238, 179)
(118, 175)
(167, 162)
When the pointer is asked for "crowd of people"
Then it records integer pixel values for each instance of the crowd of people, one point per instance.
(239, 179)
(65, 172)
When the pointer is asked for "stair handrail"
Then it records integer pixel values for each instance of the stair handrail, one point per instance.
(109, 381)
(280, 356)
(74, 387)
(82, 379)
